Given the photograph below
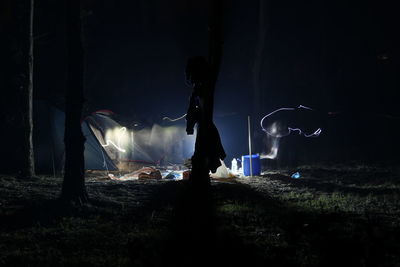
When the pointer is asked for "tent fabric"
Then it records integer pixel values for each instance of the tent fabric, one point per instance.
(96, 158)
(109, 146)
(49, 141)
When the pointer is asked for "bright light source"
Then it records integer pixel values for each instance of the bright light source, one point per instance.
(120, 137)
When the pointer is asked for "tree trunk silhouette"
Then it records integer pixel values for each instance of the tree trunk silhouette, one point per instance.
(16, 29)
(27, 160)
(215, 37)
(259, 94)
(262, 30)
(73, 189)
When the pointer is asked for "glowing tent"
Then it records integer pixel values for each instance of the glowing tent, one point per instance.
(109, 145)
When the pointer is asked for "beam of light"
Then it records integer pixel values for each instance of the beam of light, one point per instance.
(273, 131)
(119, 136)
(161, 144)
(273, 143)
(273, 153)
(109, 142)
(177, 119)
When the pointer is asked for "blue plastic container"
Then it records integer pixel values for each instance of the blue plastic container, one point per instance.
(296, 175)
(256, 163)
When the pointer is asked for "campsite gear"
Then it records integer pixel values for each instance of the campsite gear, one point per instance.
(170, 176)
(143, 173)
(154, 174)
(222, 172)
(177, 175)
(186, 175)
(296, 175)
(174, 175)
(250, 153)
(126, 177)
(234, 167)
(256, 162)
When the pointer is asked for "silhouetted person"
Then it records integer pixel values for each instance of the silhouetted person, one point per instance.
(208, 148)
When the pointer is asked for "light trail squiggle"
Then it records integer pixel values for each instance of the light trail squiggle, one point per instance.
(118, 147)
(177, 119)
(272, 154)
(290, 130)
(109, 142)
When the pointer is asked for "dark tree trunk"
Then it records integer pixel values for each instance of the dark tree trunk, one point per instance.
(259, 94)
(26, 91)
(215, 35)
(16, 29)
(28, 160)
(257, 67)
(74, 178)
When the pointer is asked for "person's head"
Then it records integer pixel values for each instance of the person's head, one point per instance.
(197, 70)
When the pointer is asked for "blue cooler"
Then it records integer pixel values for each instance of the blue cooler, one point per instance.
(256, 162)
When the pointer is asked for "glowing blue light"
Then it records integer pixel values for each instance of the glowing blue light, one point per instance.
(296, 175)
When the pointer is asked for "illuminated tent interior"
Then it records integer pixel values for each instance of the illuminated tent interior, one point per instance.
(109, 146)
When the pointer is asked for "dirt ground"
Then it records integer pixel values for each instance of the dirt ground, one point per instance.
(333, 215)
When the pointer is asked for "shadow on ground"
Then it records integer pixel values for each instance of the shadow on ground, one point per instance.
(179, 224)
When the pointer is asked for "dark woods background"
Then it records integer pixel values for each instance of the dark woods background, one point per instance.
(333, 56)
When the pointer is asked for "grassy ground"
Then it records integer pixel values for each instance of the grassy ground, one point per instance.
(331, 216)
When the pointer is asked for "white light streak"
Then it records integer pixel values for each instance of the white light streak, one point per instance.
(119, 134)
(109, 142)
(177, 119)
(274, 132)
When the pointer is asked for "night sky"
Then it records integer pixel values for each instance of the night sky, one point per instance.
(333, 56)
